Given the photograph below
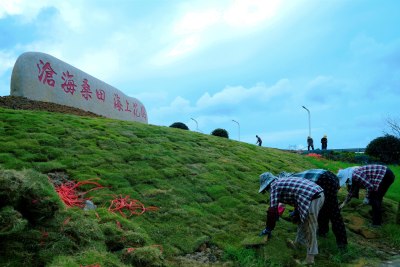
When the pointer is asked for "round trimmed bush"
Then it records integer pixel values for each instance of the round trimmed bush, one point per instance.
(179, 125)
(220, 132)
(385, 148)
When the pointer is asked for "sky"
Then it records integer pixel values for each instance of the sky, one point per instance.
(246, 66)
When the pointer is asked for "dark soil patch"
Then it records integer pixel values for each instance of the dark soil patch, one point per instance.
(17, 102)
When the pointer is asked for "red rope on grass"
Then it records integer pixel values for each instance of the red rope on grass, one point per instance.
(128, 207)
(71, 197)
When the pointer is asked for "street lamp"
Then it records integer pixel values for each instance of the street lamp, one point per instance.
(197, 125)
(309, 121)
(238, 126)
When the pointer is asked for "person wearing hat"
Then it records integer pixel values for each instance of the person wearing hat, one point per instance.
(376, 179)
(330, 211)
(307, 198)
(324, 142)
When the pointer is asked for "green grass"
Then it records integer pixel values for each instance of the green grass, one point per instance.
(206, 189)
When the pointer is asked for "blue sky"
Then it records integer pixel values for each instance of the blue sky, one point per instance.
(253, 61)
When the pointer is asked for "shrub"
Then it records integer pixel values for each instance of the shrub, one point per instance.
(351, 157)
(220, 132)
(179, 125)
(385, 148)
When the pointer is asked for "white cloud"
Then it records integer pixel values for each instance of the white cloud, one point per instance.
(319, 81)
(7, 61)
(196, 30)
(250, 13)
(194, 22)
(234, 95)
(27, 9)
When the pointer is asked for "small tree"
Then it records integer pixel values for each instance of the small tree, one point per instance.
(179, 125)
(385, 148)
(394, 126)
(220, 132)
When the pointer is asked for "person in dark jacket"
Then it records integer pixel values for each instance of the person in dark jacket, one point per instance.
(310, 143)
(376, 179)
(307, 198)
(259, 141)
(324, 142)
(330, 210)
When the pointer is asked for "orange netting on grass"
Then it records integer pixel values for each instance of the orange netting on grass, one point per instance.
(69, 194)
(314, 155)
(128, 207)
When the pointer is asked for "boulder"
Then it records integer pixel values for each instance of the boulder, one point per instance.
(41, 77)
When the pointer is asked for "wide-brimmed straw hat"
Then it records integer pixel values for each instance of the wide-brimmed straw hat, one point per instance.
(265, 180)
(345, 175)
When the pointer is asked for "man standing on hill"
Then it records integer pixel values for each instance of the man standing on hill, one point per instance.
(324, 142)
(330, 210)
(376, 179)
(307, 198)
(310, 143)
(259, 141)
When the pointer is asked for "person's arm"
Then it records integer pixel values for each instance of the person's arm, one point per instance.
(353, 191)
(272, 216)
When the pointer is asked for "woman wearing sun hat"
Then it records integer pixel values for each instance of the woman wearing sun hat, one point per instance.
(307, 197)
(376, 179)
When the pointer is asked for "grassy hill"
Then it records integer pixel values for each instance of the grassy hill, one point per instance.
(201, 191)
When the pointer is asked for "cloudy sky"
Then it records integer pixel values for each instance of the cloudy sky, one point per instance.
(208, 62)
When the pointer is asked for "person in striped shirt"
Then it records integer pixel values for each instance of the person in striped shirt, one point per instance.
(330, 210)
(376, 179)
(307, 198)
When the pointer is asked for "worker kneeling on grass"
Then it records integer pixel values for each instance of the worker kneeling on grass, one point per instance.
(307, 198)
(376, 179)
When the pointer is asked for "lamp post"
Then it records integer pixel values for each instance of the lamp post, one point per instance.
(197, 125)
(238, 126)
(309, 121)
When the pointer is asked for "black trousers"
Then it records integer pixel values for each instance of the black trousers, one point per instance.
(376, 197)
(330, 210)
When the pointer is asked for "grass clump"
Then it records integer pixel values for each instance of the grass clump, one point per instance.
(149, 256)
(11, 221)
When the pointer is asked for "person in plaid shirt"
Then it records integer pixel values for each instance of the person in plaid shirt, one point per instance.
(376, 179)
(306, 196)
(330, 211)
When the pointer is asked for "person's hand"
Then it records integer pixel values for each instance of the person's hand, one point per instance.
(266, 231)
(294, 216)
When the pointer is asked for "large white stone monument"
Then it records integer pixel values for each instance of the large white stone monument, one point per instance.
(42, 77)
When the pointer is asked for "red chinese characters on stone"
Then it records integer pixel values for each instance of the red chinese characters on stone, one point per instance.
(143, 112)
(136, 111)
(69, 84)
(127, 106)
(46, 73)
(117, 102)
(101, 95)
(86, 93)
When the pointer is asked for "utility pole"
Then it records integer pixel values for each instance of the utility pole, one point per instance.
(197, 125)
(238, 126)
(309, 121)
